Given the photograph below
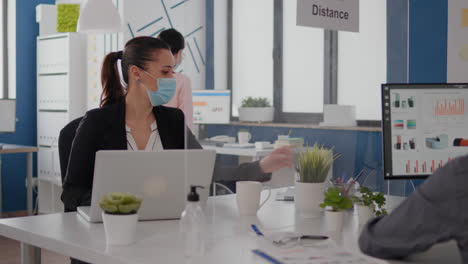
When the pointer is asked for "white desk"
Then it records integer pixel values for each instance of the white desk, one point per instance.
(29, 150)
(230, 238)
(245, 152)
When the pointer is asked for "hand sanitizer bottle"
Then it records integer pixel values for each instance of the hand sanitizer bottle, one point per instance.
(193, 225)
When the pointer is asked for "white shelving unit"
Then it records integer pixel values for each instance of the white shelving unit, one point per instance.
(61, 97)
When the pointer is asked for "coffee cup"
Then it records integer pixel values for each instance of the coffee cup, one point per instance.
(248, 197)
(244, 137)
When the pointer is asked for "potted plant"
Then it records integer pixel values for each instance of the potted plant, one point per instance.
(369, 204)
(312, 167)
(256, 110)
(335, 203)
(120, 216)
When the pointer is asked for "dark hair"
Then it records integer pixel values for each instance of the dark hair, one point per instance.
(174, 39)
(138, 51)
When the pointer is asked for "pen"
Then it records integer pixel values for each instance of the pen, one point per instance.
(256, 230)
(266, 256)
(313, 237)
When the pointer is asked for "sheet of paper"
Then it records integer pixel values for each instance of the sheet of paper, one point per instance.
(320, 252)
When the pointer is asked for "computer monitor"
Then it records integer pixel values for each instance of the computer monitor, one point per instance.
(7, 115)
(424, 127)
(211, 106)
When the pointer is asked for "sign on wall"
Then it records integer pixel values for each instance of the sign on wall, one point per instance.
(340, 15)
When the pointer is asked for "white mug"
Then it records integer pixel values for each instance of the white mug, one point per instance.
(261, 145)
(244, 137)
(248, 197)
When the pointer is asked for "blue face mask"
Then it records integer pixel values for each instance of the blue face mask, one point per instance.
(165, 92)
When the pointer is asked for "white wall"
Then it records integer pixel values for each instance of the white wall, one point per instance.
(457, 46)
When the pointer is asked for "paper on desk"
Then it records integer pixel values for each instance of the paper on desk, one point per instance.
(323, 252)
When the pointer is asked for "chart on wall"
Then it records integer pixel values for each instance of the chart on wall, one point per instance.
(150, 17)
(426, 126)
(457, 46)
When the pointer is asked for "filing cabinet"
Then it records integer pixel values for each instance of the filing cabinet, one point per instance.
(61, 97)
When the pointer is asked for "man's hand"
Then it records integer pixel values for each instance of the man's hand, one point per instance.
(278, 159)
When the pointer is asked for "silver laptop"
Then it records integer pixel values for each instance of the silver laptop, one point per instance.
(162, 179)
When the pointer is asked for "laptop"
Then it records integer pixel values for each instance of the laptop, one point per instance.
(158, 177)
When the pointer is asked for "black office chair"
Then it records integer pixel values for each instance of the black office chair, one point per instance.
(66, 136)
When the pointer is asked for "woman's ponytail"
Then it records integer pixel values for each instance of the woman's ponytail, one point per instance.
(112, 90)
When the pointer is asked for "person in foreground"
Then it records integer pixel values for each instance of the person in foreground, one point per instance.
(436, 212)
(135, 119)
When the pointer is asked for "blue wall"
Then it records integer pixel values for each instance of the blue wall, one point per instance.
(428, 41)
(14, 165)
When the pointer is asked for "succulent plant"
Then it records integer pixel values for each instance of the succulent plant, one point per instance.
(256, 102)
(120, 203)
(314, 163)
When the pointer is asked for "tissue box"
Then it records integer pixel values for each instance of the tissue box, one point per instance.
(339, 115)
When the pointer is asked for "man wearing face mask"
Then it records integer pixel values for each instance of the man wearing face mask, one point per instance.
(183, 95)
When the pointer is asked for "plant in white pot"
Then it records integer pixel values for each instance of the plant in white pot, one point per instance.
(256, 110)
(312, 166)
(368, 204)
(335, 203)
(120, 217)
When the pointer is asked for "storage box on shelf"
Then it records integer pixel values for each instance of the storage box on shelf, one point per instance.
(61, 97)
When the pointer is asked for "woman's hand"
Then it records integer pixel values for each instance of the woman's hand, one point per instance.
(278, 159)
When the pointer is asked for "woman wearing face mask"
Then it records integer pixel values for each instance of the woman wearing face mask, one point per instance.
(183, 96)
(135, 119)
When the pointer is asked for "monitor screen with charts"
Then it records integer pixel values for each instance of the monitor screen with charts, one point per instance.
(424, 127)
(7, 115)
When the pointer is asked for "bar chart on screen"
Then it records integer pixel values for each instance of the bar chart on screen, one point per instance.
(449, 107)
(424, 166)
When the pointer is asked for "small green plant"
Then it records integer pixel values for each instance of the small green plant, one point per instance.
(243, 130)
(368, 198)
(67, 17)
(335, 200)
(256, 102)
(314, 163)
(120, 203)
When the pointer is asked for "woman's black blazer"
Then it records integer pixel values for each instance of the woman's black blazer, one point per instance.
(104, 129)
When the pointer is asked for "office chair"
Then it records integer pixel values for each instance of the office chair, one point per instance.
(66, 136)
